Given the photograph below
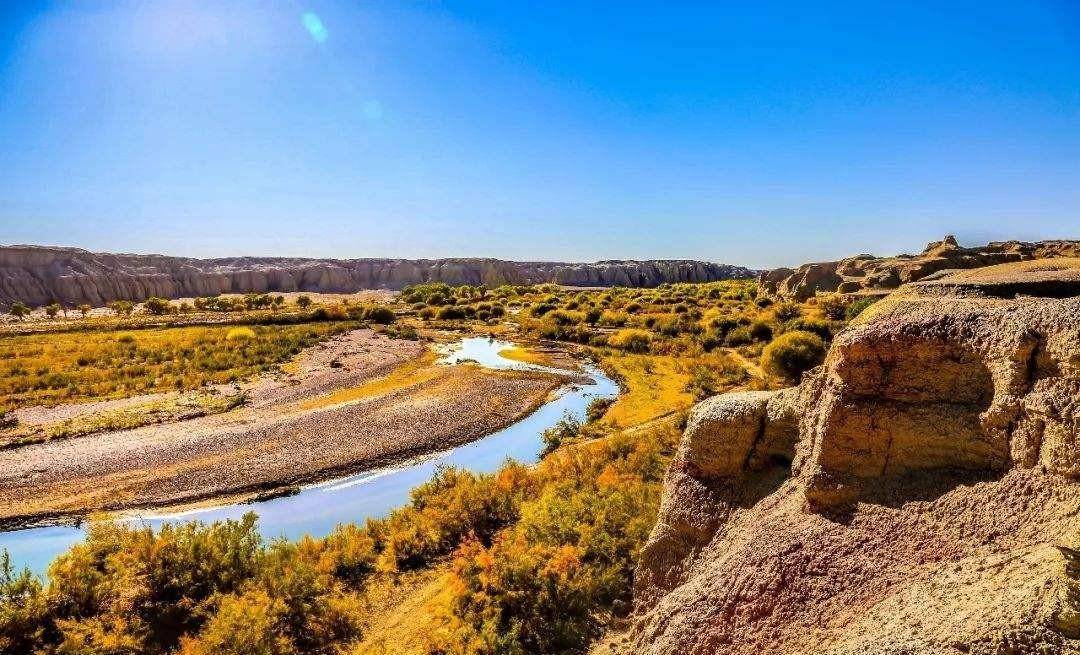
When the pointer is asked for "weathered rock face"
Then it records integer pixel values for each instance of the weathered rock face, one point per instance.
(38, 275)
(866, 273)
(917, 493)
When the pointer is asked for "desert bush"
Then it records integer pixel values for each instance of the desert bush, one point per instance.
(740, 336)
(331, 313)
(832, 305)
(303, 302)
(380, 314)
(24, 612)
(792, 354)
(786, 311)
(613, 319)
(451, 313)
(597, 407)
(542, 308)
(807, 324)
(157, 306)
(760, 331)
(121, 307)
(566, 430)
(631, 340)
(52, 309)
(857, 307)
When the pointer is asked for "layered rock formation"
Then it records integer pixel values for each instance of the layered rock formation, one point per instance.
(919, 493)
(866, 273)
(38, 274)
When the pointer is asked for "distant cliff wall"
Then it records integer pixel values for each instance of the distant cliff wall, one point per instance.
(42, 274)
(867, 273)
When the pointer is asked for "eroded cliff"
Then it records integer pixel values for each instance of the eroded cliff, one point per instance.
(41, 274)
(867, 273)
(919, 493)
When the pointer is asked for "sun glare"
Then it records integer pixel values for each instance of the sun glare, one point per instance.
(314, 25)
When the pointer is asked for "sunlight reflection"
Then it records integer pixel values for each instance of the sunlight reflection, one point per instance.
(314, 25)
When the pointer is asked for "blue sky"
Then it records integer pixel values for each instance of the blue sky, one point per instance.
(760, 133)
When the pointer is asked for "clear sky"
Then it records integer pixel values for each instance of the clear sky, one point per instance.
(759, 133)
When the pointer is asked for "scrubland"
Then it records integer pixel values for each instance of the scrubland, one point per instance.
(524, 560)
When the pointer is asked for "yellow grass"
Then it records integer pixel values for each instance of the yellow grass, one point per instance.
(159, 410)
(406, 614)
(62, 367)
(414, 371)
(654, 385)
(522, 354)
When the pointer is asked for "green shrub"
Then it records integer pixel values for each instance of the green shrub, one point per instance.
(786, 311)
(597, 408)
(760, 331)
(380, 314)
(451, 313)
(540, 309)
(19, 310)
(740, 336)
(858, 307)
(631, 340)
(832, 305)
(157, 306)
(792, 354)
(807, 324)
(566, 430)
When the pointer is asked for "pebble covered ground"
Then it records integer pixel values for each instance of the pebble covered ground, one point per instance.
(278, 439)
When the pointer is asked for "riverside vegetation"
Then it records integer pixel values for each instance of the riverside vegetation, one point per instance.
(526, 560)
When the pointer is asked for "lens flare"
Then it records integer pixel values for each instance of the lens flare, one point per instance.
(314, 25)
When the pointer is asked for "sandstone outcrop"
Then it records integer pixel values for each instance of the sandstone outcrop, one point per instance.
(40, 274)
(867, 273)
(918, 493)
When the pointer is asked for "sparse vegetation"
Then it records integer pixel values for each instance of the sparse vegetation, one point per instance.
(72, 366)
(536, 560)
(792, 354)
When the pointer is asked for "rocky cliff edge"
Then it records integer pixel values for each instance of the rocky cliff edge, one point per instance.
(919, 493)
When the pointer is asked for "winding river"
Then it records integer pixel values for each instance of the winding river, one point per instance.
(316, 509)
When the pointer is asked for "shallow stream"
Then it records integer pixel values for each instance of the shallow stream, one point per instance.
(316, 509)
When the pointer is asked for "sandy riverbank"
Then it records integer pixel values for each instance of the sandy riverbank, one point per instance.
(294, 430)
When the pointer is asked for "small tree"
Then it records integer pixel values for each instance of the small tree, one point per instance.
(52, 309)
(19, 310)
(84, 309)
(157, 306)
(122, 307)
(303, 302)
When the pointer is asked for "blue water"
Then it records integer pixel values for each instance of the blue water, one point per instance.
(318, 508)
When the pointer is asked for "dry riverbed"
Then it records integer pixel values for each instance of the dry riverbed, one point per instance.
(356, 401)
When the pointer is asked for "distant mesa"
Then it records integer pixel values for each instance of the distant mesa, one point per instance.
(43, 274)
(868, 274)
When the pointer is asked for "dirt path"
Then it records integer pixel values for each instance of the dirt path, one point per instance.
(284, 437)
